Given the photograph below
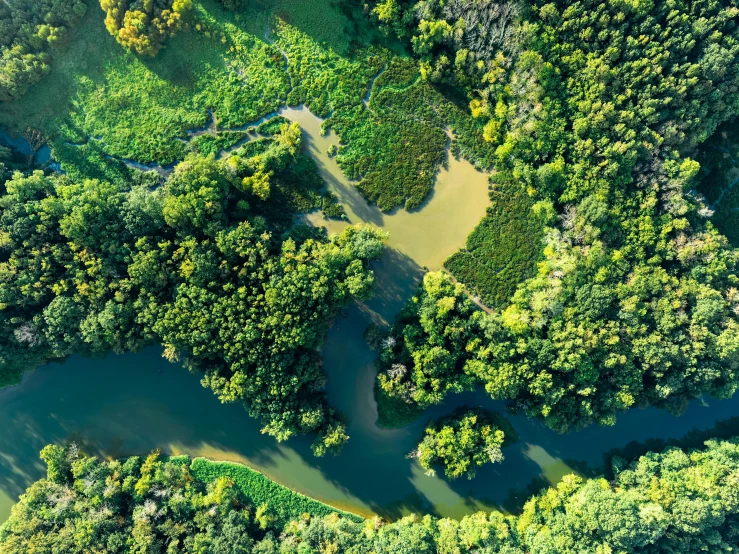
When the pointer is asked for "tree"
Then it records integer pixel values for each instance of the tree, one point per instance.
(28, 33)
(420, 353)
(675, 501)
(201, 265)
(462, 442)
(143, 26)
(633, 301)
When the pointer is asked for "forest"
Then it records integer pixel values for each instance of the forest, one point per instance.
(170, 216)
(198, 265)
(680, 501)
(174, 210)
(631, 299)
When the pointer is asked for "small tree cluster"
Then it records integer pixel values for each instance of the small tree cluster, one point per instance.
(144, 25)
(461, 443)
(29, 30)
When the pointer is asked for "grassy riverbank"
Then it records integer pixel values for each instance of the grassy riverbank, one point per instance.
(286, 504)
(158, 505)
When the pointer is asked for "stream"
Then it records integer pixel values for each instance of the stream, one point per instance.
(132, 403)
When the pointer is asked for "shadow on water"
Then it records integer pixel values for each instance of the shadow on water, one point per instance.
(22, 147)
(357, 208)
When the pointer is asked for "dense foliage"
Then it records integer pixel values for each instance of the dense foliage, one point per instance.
(144, 25)
(395, 143)
(463, 441)
(150, 504)
(173, 281)
(676, 501)
(420, 355)
(457, 40)
(201, 264)
(503, 249)
(29, 30)
(634, 302)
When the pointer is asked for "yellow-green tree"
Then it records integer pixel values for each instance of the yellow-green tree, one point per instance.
(144, 25)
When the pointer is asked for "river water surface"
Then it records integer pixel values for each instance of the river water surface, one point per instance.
(130, 404)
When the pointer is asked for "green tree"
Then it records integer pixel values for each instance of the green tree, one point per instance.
(201, 265)
(143, 26)
(29, 31)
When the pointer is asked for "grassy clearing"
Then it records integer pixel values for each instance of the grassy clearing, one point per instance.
(285, 504)
(142, 107)
(502, 250)
(241, 67)
(396, 146)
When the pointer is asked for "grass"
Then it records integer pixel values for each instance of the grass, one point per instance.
(242, 67)
(285, 504)
(397, 145)
(212, 144)
(503, 249)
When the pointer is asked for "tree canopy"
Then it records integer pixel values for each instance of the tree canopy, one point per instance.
(144, 25)
(463, 441)
(678, 501)
(29, 31)
(634, 299)
(199, 265)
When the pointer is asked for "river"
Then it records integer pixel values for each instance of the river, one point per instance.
(130, 404)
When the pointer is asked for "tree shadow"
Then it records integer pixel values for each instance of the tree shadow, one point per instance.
(695, 438)
(345, 190)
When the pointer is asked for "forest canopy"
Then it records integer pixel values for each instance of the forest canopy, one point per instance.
(633, 301)
(206, 265)
(679, 501)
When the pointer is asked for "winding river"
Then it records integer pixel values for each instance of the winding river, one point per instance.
(130, 404)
